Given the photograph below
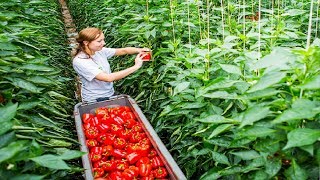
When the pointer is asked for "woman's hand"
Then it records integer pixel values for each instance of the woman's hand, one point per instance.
(138, 60)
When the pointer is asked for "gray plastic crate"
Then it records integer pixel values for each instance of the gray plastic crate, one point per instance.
(174, 171)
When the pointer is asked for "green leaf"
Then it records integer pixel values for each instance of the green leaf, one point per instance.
(37, 67)
(301, 109)
(8, 46)
(28, 177)
(11, 150)
(246, 155)
(219, 83)
(5, 127)
(59, 143)
(231, 69)
(220, 129)
(220, 158)
(5, 139)
(260, 175)
(278, 58)
(273, 166)
(302, 137)
(25, 105)
(267, 80)
(180, 87)
(35, 149)
(267, 145)
(256, 131)
(41, 80)
(67, 154)
(8, 112)
(215, 119)
(25, 85)
(308, 148)
(221, 95)
(219, 141)
(265, 93)
(295, 172)
(254, 164)
(50, 161)
(211, 174)
(313, 83)
(191, 105)
(295, 12)
(250, 116)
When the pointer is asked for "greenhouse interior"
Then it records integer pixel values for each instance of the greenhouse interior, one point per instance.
(200, 89)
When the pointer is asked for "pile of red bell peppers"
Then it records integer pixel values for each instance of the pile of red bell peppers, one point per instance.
(119, 147)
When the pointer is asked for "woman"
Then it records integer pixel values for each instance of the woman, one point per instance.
(91, 64)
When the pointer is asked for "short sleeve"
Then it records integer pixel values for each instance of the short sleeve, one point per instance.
(86, 68)
(108, 52)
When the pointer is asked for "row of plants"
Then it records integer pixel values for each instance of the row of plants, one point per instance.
(232, 96)
(37, 134)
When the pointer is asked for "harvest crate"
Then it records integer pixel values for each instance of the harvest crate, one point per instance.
(174, 171)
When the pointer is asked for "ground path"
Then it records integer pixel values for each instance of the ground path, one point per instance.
(71, 32)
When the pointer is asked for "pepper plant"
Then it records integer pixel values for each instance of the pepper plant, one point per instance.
(37, 133)
(233, 95)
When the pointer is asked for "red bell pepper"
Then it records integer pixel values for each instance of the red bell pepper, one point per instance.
(119, 143)
(145, 169)
(152, 153)
(156, 162)
(137, 128)
(133, 157)
(145, 141)
(131, 173)
(125, 108)
(95, 154)
(87, 117)
(103, 127)
(116, 129)
(143, 160)
(97, 172)
(133, 147)
(116, 175)
(92, 133)
(122, 165)
(160, 172)
(95, 121)
(109, 165)
(129, 123)
(129, 115)
(136, 137)
(91, 143)
(109, 139)
(144, 149)
(118, 120)
(107, 150)
(150, 177)
(87, 125)
(98, 164)
(119, 153)
(101, 112)
(125, 134)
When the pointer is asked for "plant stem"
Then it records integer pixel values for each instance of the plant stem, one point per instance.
(172, 23)
(189, 28)
(310, 25)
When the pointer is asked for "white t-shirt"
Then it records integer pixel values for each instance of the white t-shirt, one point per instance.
(88, 68)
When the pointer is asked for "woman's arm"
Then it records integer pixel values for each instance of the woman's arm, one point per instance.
(123, 73)
(129, 50)
(116, 75)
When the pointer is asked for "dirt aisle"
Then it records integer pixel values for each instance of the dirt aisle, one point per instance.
(70, 28)
(71, 32)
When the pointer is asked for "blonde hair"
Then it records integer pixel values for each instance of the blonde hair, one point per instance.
(88, 34)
